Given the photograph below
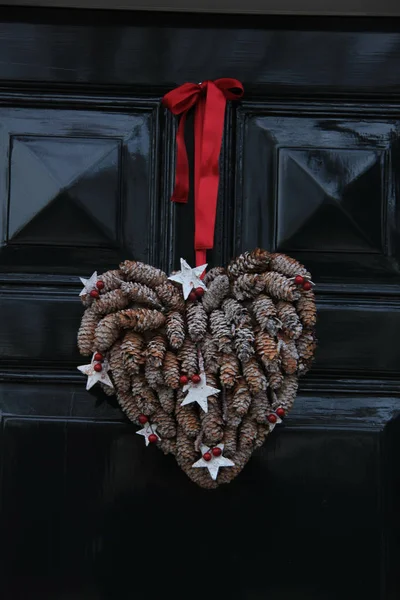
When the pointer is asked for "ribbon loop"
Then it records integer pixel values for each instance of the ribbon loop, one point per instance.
(209, 99)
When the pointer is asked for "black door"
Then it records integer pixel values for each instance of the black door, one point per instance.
(310, 166)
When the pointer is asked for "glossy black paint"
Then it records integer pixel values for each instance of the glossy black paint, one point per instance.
(309, 166)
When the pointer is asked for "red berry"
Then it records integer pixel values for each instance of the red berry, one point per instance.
(272, 418)
(196, 378)
(143, 419)
(280, 412)
(192, 296)
(207, 456)
(94, 294)
(216, 451)
(199, 292)
(307, 286)
(152, 438)
(97, 367)
(183, 379)
(100, 285)
(299, 279)
(99, 357)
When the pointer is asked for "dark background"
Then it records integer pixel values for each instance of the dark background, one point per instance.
(310, 166)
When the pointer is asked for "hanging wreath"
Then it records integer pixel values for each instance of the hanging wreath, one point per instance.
(206, 364)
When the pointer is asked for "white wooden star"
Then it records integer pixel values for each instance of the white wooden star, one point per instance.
(189, 278)
(94, 376)
(273, 425)
(215, 463)
(199, 392)
(147, 430)
(89, 284)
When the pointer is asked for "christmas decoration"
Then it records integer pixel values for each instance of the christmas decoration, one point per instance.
(149, 433)
(96, 373)
(213, 461)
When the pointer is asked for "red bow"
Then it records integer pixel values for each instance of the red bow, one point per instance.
(210, 99)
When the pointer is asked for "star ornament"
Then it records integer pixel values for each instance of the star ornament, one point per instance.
(215, 463)
(199, 392)
(94, 376)
(273, 425)
(147, 431)
(89, 284)
(189, 278)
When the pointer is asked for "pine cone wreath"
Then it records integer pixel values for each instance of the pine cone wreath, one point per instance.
(206, 368)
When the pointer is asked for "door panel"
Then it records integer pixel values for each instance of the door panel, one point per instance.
(309, 166)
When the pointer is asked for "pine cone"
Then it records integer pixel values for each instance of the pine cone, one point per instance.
(129, 406)
(275, 379)
(142, 273)
(132, 352)
(307, 309)
(211, 421)
(306, 346)
(107, 332)
(280, 288)
(230, 441)
(155, 351)
(289, 356)
(265, 313)
(144, 397)
(166, 397)
(213, 274)
(267, 349)
(247, 433)
(216, 292)
(287, 393)
(140, 319)
(244, 342)
(171, 370)
(289, 318)
(229, 370)
(171, 297)
(110, 302)
(262, 432)
(87, 332)
(175, 328)
(120, 375)
(241, 397)
(235, 313)
(254, 376)
(109, 391)
(154, 376)
(188, 357)
(167, 446)
(209, 353)
(112, 280)
(165, 424)
(256, 261)
(287, 266)
(260, 408)
(140, 293)
(247, 286)
(221, 331)
(187, 417)
(196, 321)
(185, 452)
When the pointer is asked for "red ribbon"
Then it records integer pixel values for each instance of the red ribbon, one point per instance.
(209, 98)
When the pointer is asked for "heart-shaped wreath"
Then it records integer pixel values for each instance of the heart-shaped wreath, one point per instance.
(208, 367)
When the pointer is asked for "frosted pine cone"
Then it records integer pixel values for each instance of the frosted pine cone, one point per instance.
(230, 441)
(256, 261)
(171, 297)
(289, 356)
(107, 332)
(247, 286)
(171, 370)
(275, 379)
(241, 397)
(254, 376)
(120, 375)
(287, 393)
(213, 274)
(165, 424)
(288, 266)
(87, 332)
(140, 293)
(166, 397)
(155, 351)
(289, 318)
(260, 408)
(307, 309)
(132, 352)
(197, 321)
(154, 376)
(188, 357)
(110, 302)
(209, 353)
(129, 406)
(221, 331)
(265, 313)
(306, 346)
(144, 396)
(211, 422)
(188, 418)
(247, 433)
(229, 370)
(185, 451)
(244, 342)
(142, 273)
(216, 292)
(175, 328)
(112, 280)
(280, 287)
(140, 319)
(235, 313)
(267, 349)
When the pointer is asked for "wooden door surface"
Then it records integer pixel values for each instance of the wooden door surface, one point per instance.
(311, 167)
